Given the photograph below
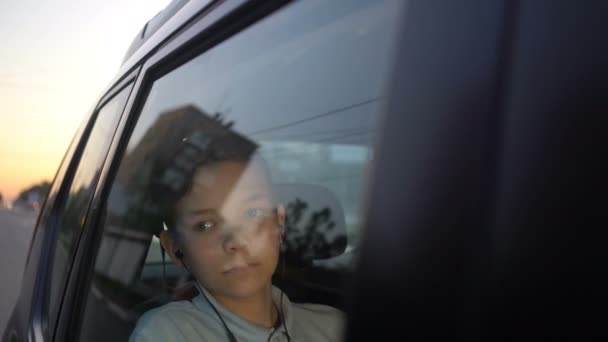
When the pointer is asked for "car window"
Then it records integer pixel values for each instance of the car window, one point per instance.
(291, 102)
(81, 192)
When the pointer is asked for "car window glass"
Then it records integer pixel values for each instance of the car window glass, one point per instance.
(60, 175)
(83, 185)
(291, 101)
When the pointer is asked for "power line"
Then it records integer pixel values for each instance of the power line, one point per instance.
(316, 133)
(331, 112)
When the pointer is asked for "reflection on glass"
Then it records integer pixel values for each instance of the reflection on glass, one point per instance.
(266, 133)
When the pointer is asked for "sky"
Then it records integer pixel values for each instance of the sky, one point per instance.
(56, 57)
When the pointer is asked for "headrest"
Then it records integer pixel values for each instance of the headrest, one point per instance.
(315, 226)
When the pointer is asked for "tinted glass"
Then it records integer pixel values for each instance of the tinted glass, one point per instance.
(287, 107)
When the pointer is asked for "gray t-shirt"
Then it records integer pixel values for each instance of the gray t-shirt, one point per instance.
(196, 321)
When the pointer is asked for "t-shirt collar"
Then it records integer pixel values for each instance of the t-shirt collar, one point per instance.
(244, 328)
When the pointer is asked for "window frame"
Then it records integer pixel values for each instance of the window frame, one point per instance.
(114, 116)
(41, 325)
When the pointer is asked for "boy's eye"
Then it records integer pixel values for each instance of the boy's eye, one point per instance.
(205, 225)
(255, 213)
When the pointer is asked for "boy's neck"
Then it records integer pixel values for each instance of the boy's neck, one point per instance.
(258, 309)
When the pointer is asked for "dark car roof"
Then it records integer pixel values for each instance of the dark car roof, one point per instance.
(156, 31)
(153, 25)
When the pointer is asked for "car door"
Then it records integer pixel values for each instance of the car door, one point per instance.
(475, 228)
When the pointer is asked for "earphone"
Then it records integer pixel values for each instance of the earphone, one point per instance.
(282, 238)
(180, 256)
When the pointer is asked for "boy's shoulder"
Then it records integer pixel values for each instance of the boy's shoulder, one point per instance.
(161, 322)
(318, 313)
(319, 322)
(168, 310)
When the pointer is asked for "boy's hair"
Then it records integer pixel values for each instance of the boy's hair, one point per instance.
(169, 170)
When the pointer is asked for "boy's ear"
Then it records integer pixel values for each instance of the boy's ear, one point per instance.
(281, 215)
(170, 245)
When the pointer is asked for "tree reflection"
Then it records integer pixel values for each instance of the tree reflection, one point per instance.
(307, 240)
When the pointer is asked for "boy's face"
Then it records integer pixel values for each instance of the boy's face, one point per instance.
(230, 229)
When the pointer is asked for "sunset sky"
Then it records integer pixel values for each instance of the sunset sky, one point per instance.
(55, 59)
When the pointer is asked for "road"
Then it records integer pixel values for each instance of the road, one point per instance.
(17, 227)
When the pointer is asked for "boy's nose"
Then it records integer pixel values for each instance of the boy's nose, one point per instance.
(236, 237)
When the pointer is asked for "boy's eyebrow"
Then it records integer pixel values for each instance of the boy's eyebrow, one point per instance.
(256, 197)
(203, 211)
